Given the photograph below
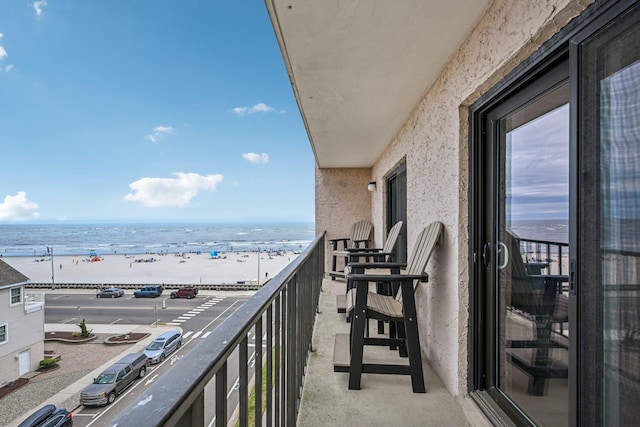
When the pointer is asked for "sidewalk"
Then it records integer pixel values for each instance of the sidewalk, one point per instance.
(74, 355)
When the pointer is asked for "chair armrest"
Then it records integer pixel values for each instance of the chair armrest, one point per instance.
(363, 249)
(388, 277)
(370, 254)
(341, 239)
(356, 243)
(371, 265)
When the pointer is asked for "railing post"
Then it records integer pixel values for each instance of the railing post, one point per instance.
(270, 327)
(258, 373)
(243, 383)
(221, 396)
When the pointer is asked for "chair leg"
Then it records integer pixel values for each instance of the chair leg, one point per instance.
(413, 340)
(357, 336)
(333, 259)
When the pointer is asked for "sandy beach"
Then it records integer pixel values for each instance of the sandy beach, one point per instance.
(189, 268)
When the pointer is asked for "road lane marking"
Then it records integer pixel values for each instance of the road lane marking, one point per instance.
(152, 379)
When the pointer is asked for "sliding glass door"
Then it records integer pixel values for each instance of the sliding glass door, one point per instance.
(526, 252)
(555, 241)
(609, 216)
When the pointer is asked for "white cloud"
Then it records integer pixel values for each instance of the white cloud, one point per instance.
(258, 159)
(178, 191)
(3, 53)
(38, 5)
(258, 108)
(9, 67)
(160, 132)
(18, 207)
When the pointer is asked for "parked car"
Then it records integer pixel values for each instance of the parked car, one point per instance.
(149, 291)
(110, 293)
(114, 380)
(49, 416)
(185, 292)
(164, 345)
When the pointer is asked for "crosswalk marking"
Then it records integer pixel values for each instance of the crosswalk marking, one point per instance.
(206, 334)
(185, 335)
(194, 312)
(197, 334)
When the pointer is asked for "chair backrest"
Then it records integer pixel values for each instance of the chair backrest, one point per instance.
(392, 238)
(422, 250)
(361, 231)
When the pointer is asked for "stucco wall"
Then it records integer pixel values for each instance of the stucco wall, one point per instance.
(435, 142)
(342, 199)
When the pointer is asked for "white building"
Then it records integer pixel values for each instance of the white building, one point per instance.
(21, 326)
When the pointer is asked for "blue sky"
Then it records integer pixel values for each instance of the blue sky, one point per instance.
(148, 111)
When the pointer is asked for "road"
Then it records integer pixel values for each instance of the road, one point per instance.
(197, 318)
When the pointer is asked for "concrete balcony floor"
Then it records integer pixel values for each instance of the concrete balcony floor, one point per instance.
(384, 400)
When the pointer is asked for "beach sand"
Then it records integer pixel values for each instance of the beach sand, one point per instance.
(189, 268)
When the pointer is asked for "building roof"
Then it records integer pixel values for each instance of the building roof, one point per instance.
(9, 276)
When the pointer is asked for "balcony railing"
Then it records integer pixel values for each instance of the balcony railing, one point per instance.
(194, 392)
(548, 255)
(33, 302)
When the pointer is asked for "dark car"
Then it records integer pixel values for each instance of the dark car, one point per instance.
(110, 293)
(185, 292)
(48, 416)
(149, 291)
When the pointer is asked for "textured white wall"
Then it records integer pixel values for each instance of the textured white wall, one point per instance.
(434, 141)
(342, 199)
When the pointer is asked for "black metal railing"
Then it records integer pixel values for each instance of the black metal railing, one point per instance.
(553, 254)
(194, 392)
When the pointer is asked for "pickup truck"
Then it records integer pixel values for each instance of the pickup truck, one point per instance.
(149, 291)
(114, 380)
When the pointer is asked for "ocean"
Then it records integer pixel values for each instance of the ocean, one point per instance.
(107, 239)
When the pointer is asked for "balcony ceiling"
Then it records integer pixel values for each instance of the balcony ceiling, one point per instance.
(359, 68)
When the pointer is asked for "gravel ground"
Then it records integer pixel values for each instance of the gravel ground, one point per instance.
(77, 361)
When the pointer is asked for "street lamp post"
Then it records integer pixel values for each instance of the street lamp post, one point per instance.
(50, 252)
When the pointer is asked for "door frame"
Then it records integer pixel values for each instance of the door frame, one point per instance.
(481, 371)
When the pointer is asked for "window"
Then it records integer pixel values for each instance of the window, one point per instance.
(4, 333)
(16, 295)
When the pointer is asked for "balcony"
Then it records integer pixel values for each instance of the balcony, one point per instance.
(33, 302)
(296, 316)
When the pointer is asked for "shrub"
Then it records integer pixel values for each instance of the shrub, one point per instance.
(84, 332)
(48, 362)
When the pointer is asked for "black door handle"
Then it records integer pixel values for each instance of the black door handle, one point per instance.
(486, 254)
